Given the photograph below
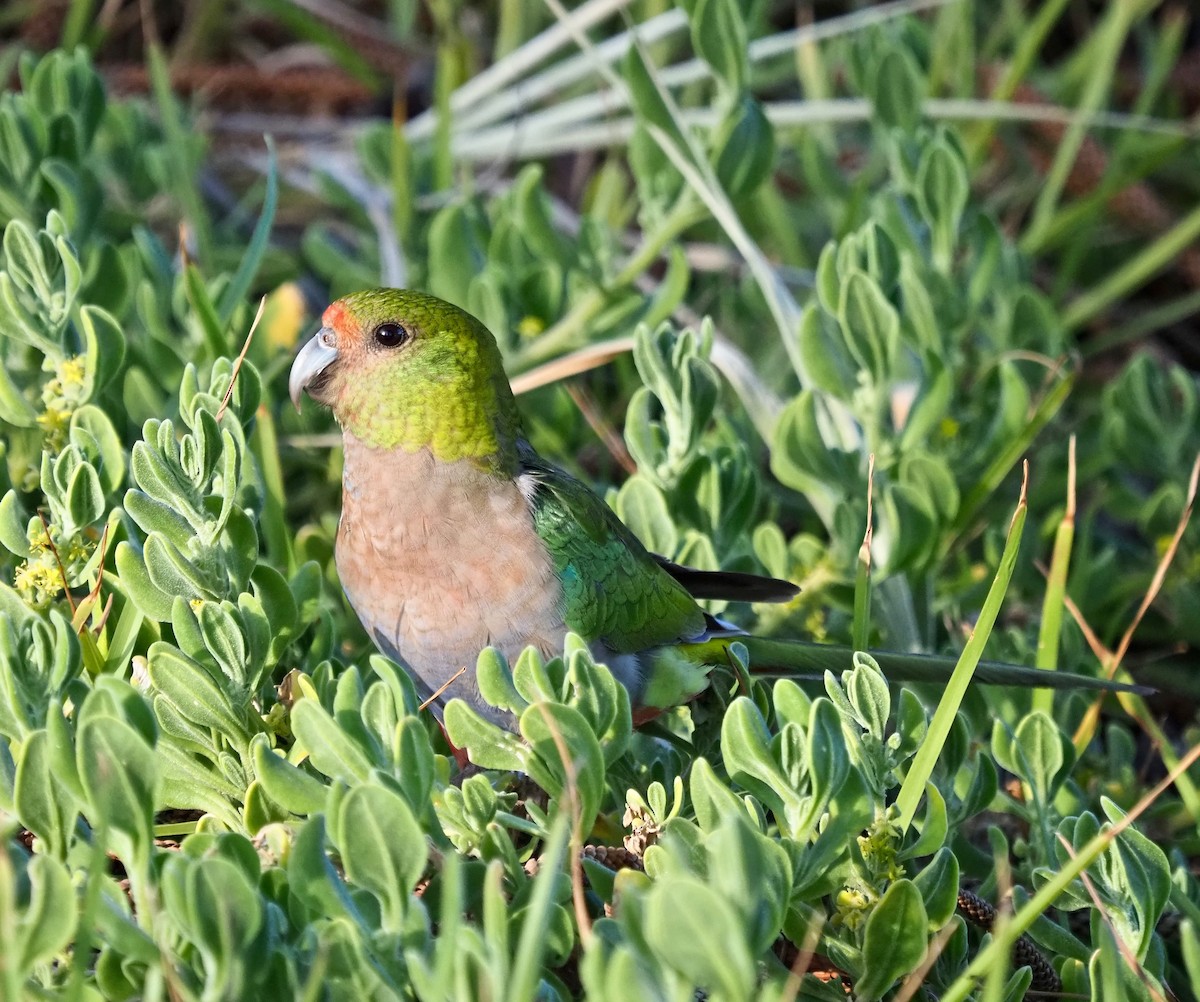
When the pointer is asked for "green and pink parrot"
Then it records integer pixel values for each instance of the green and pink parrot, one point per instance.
(455, 535)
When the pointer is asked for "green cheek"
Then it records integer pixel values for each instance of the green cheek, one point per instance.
(431, 415)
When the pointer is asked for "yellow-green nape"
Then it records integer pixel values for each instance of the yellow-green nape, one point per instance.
(444, 390)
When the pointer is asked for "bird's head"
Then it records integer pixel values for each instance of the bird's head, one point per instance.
(403, 369)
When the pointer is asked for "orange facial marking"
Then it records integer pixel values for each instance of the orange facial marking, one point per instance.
(335, 316)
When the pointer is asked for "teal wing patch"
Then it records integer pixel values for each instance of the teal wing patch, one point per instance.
(614, 590)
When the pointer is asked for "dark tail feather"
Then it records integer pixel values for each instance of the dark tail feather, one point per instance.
(733, 586)
(803, 659)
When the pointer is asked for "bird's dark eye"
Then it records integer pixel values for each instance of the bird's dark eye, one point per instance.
(391, 335)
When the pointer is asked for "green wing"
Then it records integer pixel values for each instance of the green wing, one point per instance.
(614, 590)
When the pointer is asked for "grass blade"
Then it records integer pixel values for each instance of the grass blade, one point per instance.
(943, 718)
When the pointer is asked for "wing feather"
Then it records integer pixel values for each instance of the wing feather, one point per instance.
(614, 590)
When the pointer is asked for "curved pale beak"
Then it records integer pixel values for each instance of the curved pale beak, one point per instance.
(314, 358)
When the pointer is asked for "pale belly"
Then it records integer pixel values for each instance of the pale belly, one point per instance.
(441, 560)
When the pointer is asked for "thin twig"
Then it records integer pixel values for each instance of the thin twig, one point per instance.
(600, 425)
(1123, 948)
(62, 571)
(916, 979)
(585, 359)
(93, 596)
(443, 687)
(237, 365)
(1160, 572)
(804, 956)
(574, 806)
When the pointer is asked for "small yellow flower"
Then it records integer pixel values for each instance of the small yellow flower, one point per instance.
(851, 907)
(54, 422)
(38, 583)
(77, 552)
(879, 846)
(39, 542)
(948, 428)
(72, 372)
(531, 326)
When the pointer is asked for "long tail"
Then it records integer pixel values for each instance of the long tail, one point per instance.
(804, 659)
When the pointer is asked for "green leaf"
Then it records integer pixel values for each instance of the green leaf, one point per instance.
(643, 508)
(799, 456)
(44, 806)
(225, 641)
(85, 496)
(719, 37)
(312, 877)
(930, 408)
(868, 693)
(171, 572)
(1040, 754)
(93, 433)
(48, 922)
(1138, 867)
(746, 750)
(897, 90)
(235, 291)
(153, 601)
(104, 348)
(826, 359)
(15, 409)
(894, 941)
(278, 605)
(455, 253)
(828, 762)
(220, 912)
(195, 693)
(869, 324)
(747, 156)
(933, 829)
(754, 875)
(120, 780)
(554, 730)
(259, 810)
(692, 929)
(938, 886)
(486, 745)
(942, 192)
(330, 749)
(290, 787)
(644, 434)
(415, 764)
(712, 800)
(648, 102)
(383, 848)
(546, 931)
(671, 289)
(532, 215)
(14, 535)
(495, 682)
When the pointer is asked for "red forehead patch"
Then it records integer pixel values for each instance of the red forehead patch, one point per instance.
(336, 315)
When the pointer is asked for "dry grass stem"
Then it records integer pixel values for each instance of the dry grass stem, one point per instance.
(237, 365)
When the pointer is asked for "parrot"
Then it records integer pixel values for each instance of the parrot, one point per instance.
(455, 535)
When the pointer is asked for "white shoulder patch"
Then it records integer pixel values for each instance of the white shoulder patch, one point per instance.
(527, 484)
